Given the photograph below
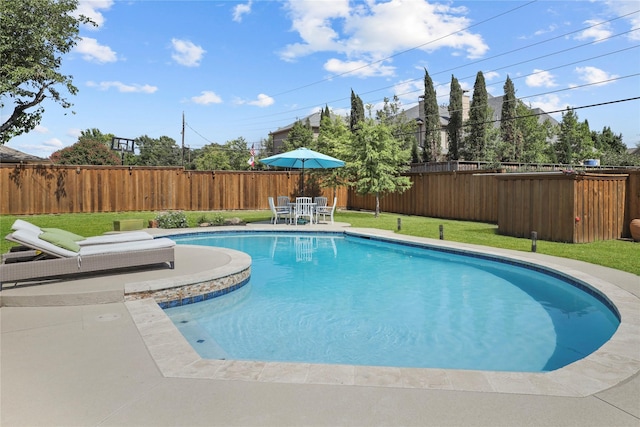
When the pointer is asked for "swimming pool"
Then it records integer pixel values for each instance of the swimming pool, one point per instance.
(415, 308)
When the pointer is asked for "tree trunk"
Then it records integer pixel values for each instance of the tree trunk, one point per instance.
(377, 205)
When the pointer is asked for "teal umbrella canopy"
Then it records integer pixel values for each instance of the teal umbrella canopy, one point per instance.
(302, 158)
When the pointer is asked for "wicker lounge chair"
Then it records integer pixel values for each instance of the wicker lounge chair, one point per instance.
(46, 260)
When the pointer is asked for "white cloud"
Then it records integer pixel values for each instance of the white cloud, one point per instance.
(358, 68)
(93, 51)
(593, 75)
(186, 53)
(595, 32)
(40, 129)
(54, 143)
(240, 10)
(90, 9)
(125, 88)
(629, 8)
(262, 101)
(74, 132)
(491, 75)
(409, 90)
(360, 30)
(547, 103)
(550, 29)
(540, 78)
(207, 97)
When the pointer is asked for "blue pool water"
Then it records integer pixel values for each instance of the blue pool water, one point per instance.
(339, 299)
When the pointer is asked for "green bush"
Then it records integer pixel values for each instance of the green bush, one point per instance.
(175, 219)
(215, 219)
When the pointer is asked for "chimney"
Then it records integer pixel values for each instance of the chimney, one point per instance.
(465, 105)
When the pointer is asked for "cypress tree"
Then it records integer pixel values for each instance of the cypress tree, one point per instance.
(357, 112)
(454, 128)
(509, 131)
(432, 140)
(476, 142)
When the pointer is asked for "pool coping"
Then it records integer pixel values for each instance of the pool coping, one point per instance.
(614, 362)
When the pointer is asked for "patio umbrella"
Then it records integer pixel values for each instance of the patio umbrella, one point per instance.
(302, 158)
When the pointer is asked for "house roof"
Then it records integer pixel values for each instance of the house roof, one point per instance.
(10, 155)
(413, 113)
(634, 151)
(314, 120)
(495, 102)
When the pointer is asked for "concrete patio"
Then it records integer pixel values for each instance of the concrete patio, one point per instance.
(74, 353)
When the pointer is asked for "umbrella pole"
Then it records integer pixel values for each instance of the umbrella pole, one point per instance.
(302, 177)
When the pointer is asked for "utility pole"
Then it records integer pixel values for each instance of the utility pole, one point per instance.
(182, 164)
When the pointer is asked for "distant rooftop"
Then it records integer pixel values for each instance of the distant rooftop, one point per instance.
(10, 155)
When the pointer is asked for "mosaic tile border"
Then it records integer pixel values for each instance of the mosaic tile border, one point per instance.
(189, 294)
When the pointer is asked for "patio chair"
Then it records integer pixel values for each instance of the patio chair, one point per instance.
(326, 210)
(53, 255)
(278, 212)
(283, 202)
(321, 202)
(303, 209)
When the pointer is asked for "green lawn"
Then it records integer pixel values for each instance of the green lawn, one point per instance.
(618, 254)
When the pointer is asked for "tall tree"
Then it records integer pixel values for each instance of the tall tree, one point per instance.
(324, 113)
(375, 161)
(607, 141)
(454, 127)
(213, 157)
(95, 135)
(300, 135)
(161, 151)
(574, 139)
(333, 140)
(34, 35)
(402, 129)
(432, 139)
(86, 152)
(357, 112)
(238, 153)
(476, 145)
(535, 136)
(509, 131)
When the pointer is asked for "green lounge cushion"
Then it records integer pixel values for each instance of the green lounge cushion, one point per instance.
(73, 236)
(60, 240)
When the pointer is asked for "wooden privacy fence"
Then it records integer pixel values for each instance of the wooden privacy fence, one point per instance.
(38, 189)
(547, 203)
(566, 208)
(518, 203)
(464, 195)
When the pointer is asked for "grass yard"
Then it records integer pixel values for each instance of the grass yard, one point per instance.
(619, 254)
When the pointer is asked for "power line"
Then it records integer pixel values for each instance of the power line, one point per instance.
(471, 63)
(564, 35)
(407, 50)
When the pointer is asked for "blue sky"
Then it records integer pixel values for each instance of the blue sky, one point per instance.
(244, 69)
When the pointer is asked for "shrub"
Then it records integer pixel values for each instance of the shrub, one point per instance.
(172, 220)
(216, 219)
